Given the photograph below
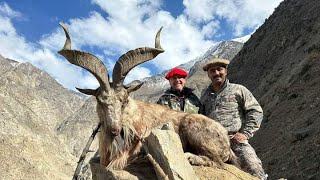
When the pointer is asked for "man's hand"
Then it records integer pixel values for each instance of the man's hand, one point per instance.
(239, 137)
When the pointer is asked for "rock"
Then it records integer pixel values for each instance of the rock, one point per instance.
(229, 173)
(140, 169)
(166, 148)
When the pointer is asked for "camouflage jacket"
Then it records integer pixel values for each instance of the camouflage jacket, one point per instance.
(234, 107)
(185, 101)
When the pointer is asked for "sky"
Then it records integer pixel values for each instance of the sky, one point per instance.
(29, 31)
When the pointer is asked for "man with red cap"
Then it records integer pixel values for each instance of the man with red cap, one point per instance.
(179, 97)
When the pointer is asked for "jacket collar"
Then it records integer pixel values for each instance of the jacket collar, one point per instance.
(185, 91)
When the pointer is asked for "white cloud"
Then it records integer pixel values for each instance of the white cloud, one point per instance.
(131, 24)
(5, 10)
(240, 14)
(181, 39)
(15, 47)
(12, 45)
(130, 11)
(210, 29)
(137, 73)
(199, 10)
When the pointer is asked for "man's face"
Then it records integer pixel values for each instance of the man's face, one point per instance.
(217, 74)
(177, 82)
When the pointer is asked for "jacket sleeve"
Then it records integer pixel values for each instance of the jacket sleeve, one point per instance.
(253, 113)
(202, 99)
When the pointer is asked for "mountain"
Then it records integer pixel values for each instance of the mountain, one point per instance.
(198, 79)
(280, 64)
(154, 86)
(76, 129)
(32, 105)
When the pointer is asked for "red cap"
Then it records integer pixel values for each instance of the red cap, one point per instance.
(176, 71)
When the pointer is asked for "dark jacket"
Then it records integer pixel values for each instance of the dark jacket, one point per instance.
(185, 100)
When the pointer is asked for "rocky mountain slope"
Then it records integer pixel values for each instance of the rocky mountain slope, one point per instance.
(32, 105)
(281, 65)
(198, 79)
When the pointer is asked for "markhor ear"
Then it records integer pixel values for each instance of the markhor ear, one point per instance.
(133, 86)
(91, 92)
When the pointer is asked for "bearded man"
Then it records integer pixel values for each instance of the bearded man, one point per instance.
(234, 106)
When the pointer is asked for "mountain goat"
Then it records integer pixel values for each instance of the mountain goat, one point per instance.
(125, 121)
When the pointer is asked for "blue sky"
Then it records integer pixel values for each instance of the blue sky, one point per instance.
(29, 31)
